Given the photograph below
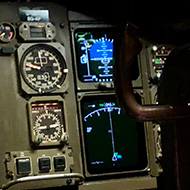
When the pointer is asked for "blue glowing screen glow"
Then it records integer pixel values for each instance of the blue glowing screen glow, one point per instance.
(95, 55)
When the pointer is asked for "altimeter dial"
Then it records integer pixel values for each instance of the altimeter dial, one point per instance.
(43, 68)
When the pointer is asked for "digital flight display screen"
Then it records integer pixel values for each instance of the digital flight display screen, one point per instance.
(113, 141)
(95, 55)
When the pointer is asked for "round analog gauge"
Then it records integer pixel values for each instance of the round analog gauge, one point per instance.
(47, 123)
(48, 127)
(7, 32)
(43, 68)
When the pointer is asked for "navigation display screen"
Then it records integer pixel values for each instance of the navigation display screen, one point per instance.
(113, 141)
(95, 54)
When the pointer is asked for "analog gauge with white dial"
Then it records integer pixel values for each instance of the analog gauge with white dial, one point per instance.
(47, 125)
(43, 68)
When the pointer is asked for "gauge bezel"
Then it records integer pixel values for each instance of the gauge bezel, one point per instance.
(23, 51)
(14, 32)
(44, 100)
(26, 34)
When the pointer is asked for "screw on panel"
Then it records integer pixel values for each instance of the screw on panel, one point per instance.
(72, 168)
(61, 25)
(65, 139)
(38, 140)
(63, 151)
(70, 154)
(7, 157)
(71, 151)
(10, 174)
(69, 181)
(48, 26)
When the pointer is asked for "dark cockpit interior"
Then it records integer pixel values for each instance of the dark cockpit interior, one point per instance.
(94, 95)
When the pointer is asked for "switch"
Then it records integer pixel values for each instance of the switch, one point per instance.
(44, 165)
(59, 163)
(23, 166)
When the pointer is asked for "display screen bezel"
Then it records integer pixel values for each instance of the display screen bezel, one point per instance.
(36, 101)
(142, 167)
(95, 38)
(137, 82)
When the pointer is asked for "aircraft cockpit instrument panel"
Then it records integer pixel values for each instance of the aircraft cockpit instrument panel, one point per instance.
(59, 115)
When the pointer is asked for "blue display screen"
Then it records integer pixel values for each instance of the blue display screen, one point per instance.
(95, 55)
(102, 50)
(113, 141)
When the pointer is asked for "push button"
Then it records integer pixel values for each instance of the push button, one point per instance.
(59, 163)
(44, 164)
(23, 166)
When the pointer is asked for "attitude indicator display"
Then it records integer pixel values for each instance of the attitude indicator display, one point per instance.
(95, 55)
(113, 141)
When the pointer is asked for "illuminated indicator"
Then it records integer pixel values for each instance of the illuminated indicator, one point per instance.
(89, 129)
(157, 61)
(154, 48)
(107, 104)
(92, 106)
(160, 55)
(116, 156)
